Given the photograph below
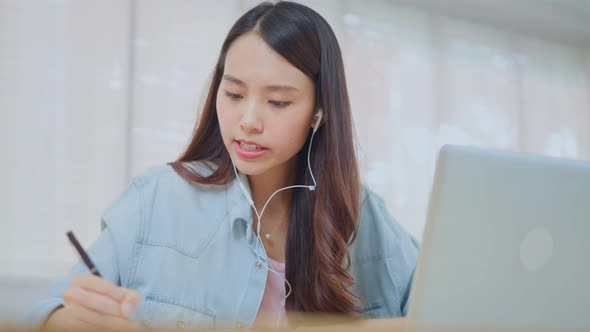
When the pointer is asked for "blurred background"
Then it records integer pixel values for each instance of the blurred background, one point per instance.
(94, 92)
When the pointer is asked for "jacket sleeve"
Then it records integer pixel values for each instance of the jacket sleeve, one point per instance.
(111, 253)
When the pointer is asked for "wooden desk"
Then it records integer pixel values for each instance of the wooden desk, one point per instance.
(387, 324)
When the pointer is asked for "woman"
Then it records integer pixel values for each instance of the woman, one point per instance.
(238, 231)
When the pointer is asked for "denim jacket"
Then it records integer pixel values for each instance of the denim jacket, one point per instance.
(189, 249)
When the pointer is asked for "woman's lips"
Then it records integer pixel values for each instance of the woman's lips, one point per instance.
(248, 149)
(246, 142)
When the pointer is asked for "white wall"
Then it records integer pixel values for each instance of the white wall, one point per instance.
(63, 126)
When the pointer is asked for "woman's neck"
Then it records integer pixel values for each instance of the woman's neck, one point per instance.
(264, 185)
(275, 220)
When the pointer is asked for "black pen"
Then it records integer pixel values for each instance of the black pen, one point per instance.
(83, 254)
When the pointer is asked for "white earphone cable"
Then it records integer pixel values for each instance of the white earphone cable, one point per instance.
(259, 215)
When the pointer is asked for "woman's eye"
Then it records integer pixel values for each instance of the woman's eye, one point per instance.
(279, 104)
(234, 96)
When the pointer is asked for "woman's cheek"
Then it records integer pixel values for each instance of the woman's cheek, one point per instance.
(289, 139)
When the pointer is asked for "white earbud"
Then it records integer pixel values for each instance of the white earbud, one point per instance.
(319, 114)
(316, 125)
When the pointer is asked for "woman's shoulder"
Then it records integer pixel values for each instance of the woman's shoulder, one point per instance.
(159, 197)
(163, 181)
(374, 215)
(379, 234)
(166, 174)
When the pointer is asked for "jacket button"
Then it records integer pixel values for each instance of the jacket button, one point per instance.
(258, 264)
(180, 325)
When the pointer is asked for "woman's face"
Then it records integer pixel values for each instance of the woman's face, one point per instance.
(265, 107)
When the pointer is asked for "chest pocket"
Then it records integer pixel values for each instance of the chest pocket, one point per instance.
(169, 314)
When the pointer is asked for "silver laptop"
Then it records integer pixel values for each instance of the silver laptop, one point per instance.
(506, 244)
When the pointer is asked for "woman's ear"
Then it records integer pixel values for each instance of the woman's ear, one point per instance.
(317, 120)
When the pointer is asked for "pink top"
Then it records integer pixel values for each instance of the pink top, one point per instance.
(272, 312)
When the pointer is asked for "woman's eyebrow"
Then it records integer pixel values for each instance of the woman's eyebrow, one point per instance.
(280, 88)
(233, 79)
(273, 87)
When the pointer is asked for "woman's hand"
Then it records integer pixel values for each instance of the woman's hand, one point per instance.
(93, 302)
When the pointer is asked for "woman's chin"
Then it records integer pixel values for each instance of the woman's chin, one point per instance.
(251, 168)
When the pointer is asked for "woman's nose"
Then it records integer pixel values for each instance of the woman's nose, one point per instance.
(251, 119)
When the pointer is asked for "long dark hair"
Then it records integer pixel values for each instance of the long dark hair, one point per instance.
(323, 222)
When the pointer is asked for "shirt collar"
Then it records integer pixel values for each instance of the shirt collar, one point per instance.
(239, 211)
